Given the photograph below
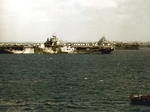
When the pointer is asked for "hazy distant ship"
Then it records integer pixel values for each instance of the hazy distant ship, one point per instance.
(127, 46)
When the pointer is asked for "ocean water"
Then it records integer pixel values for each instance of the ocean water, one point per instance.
(74, 83)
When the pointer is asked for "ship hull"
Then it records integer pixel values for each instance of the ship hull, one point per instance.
(106, 51)
(11, 49)
(4, 51)
(15, 51)
(140, 99)
(91, 50)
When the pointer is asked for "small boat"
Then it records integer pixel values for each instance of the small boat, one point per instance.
(140, 99)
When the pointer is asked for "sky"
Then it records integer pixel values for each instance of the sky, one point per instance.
(74, 20)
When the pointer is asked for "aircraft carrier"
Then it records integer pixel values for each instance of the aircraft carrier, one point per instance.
(55, 46)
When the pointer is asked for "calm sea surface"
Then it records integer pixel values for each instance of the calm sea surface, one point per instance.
(74, 83)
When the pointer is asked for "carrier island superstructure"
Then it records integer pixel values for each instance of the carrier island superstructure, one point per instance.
(55, 46)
